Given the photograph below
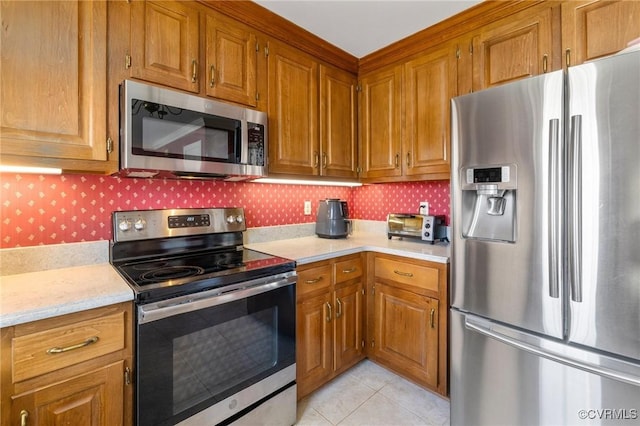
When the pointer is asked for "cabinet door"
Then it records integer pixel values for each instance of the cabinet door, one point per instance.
(165, 43)
(230, 63)
(338, 152)
(406, 333)
(514, 48)
(314, 340)
(592, 29)
(94, 398)
(293, 112)
(349, 330)
(430, 83)
(379, 121)
(54, 84)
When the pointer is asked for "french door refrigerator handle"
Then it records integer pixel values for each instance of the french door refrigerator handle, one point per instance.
(487, 328)
(554, 210)
(575, 221)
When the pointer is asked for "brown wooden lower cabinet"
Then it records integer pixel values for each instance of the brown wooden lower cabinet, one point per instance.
(403, 303)
(72, 369)
(330, 320)
(408, 320)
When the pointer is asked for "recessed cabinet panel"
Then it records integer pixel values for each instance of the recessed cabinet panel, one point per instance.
(231, 58)
(53, 88)
(293, 111)
(165, 43)
(513, 48)
(338, 144)
(379, 121)
(593, 29)
(430, 83)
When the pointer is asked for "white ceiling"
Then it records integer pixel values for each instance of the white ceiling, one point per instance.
(360, 27)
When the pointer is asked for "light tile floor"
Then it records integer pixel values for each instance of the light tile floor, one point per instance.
(371, 395)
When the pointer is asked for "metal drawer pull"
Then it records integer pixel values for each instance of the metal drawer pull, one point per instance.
(313, 281)
(24, 415)
(212, 82)
(348, 271)
(58, 350)
(404, 274)
(330, 313)
(339, 313)
(432, 317)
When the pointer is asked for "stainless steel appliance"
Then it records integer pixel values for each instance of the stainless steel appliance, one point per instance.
(215, 322)
(332, 219)
(172, 134)
(545, 294)
(422, 227)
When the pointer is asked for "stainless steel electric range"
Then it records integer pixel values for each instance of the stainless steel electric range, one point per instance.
(215, 322)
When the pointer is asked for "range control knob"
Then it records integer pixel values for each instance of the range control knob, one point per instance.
(427, 234)
(427, 225)
(239, 219)
(140, 224)
(230, 219)
(124, 225)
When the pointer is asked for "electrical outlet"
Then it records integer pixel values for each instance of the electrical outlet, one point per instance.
(307, 208)
(424, 208)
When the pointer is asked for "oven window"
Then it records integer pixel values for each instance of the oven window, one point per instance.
(190, 361)
(166, 131)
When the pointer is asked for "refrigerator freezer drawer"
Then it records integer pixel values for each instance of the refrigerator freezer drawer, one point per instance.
(498, 379)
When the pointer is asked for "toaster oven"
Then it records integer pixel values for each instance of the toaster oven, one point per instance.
(422, 227)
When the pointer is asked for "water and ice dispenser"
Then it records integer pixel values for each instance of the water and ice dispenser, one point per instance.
(489, 201)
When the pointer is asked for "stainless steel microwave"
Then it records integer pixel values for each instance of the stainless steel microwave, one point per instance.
(166, 133)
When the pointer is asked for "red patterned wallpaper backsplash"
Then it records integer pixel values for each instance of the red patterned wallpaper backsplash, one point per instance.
(44, 209)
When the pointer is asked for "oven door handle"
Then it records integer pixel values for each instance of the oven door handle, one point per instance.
(206, 299)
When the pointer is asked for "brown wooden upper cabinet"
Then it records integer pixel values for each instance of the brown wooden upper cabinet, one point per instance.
(165, 43)
(516, 47)
(404, 118)
(231, 53)
(379, 123)
(165, 49)
(53, 89)
(311, 116)
(592, 29)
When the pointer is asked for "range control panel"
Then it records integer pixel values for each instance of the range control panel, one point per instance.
(147, 224)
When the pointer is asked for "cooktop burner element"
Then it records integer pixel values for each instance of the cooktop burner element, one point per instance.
(168, 253)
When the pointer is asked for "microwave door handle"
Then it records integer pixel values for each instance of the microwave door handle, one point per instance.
(244, 142)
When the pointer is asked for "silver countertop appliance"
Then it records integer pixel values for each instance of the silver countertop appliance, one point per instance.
(332, 220)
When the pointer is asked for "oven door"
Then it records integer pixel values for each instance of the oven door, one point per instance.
(213, 351)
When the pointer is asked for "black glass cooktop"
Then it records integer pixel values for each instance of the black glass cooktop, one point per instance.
(163, 277)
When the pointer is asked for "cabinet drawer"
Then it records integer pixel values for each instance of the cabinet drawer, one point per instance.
(348, 269)
(313, 279)
(45, 351)
(407, 273)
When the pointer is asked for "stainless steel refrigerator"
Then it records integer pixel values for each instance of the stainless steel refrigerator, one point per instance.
(545, 295)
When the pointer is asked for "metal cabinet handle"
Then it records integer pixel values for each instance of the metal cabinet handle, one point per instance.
(567, 57)
(408, 159)
(194, 71)
(397, 161)
(348, 271)
(545, 60)
(58, 350)
(24, 415)
(432, 318)
(315, 159)
(314, 280)
(329, 312)
(212, 82)
(324, 160)
(339, 312)
(404, 274)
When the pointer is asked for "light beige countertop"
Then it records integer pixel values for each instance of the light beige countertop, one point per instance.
(312, 249)
(32, 296)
